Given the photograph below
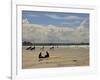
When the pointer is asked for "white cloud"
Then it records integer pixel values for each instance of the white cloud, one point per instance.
(25, 21)
(33, 15)
(66, 23)
(64, 17)
(51, 33)
(53, 16)
(72, 17)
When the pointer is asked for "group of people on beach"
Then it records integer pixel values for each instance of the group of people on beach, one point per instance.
(33, 48)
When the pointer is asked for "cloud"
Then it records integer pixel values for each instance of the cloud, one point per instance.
(54, 16)
(52, 34)
(25, 21)
(73, 24)
(72, 17)
(33, 15)
(64, 23)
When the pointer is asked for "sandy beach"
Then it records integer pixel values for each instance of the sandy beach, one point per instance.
(59, 57)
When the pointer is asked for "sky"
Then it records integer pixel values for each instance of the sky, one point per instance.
(53, 27)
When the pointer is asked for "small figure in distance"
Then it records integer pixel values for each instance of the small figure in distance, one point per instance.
(52, 48)
(33, 48)
(28, 48)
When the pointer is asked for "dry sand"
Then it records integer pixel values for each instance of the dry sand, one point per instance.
(59, 57)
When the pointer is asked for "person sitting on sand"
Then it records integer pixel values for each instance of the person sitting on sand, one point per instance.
(46, 56)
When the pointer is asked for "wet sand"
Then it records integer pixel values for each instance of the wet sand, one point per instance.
(59, 57)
